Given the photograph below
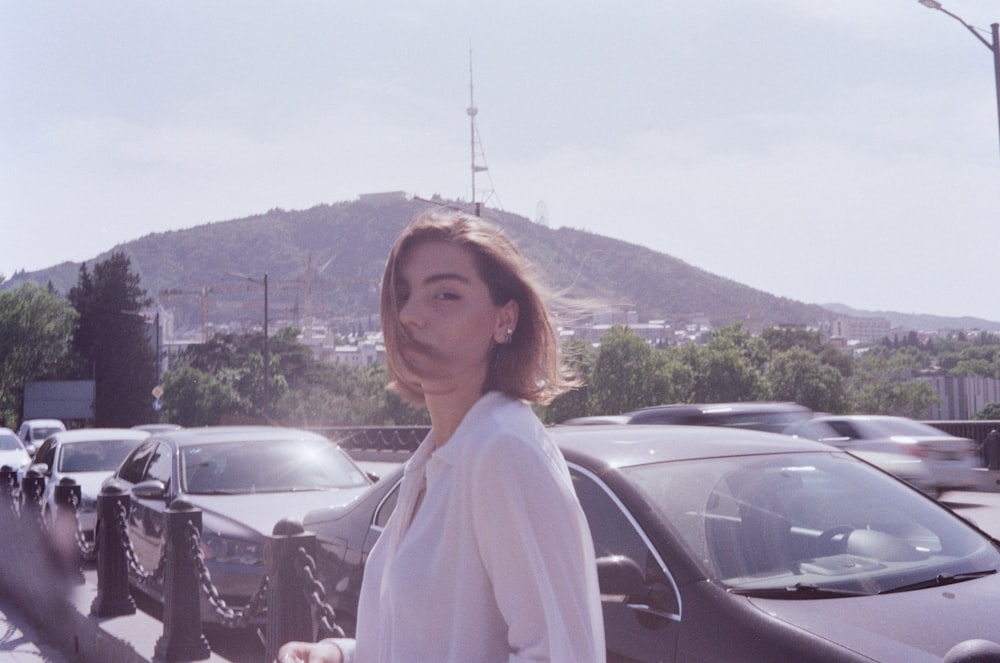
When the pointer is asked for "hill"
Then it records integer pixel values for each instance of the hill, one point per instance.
(918, 321)
(324, 263)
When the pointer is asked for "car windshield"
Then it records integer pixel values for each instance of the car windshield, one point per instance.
(40, 432)
(822, 522)
(94, 455)
(10, 442)
(267, 466)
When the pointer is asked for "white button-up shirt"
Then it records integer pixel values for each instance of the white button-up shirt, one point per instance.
(497, 564)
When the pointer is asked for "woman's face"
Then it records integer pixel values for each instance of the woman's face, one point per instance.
(449, 318)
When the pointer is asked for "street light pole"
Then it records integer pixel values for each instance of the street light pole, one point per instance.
(267, 354)
(993, 45)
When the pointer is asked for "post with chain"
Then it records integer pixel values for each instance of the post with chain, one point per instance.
(289, 615)
(182, 638)
(8, 482)
(67, 495)
(32, 489)
(113, 598)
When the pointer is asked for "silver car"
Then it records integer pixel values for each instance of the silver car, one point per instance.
(918, 453)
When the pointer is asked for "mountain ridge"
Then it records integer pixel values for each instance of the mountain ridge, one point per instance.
(324, 264)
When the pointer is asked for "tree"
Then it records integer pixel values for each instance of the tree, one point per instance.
(36, 326)
(624, 373)
(728, 369)
(800, 376)
(883, 383)
(580, 360)
(195, 398)
(112, 337)
(990, 412)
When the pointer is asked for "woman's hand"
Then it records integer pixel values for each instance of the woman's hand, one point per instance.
(310, 652)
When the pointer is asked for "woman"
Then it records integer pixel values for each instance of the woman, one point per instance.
(487, 556)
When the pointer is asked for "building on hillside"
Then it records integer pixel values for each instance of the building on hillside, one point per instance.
(363, 354)
(961, 396)
(860, 329)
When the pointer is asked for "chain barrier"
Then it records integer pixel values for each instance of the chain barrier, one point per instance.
(88, 549)
(37, 499)
(134, 565)
(315, 593)
(230, 617)
(14, 493)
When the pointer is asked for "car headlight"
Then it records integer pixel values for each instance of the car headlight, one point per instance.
(225, 550)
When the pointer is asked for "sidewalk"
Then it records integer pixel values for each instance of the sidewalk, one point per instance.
(21, 642)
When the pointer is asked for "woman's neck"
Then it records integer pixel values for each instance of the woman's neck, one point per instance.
(447, 411)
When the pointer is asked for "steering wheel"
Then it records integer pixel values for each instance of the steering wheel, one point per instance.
(826, 543)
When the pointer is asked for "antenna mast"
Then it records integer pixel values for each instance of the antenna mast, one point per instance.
(472, 111)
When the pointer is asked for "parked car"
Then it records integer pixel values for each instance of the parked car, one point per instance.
(766, 416)
(927, 457)
(33, 431)
(12, 451)
(88, 456)
(733, 545)
(244, 479)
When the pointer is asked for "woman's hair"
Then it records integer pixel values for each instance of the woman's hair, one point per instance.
(527, 367)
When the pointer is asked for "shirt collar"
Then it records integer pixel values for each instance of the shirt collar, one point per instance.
(450, 452)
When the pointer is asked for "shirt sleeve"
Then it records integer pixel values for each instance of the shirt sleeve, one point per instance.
(535, 545)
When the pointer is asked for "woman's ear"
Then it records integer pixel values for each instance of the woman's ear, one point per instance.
(506, 322)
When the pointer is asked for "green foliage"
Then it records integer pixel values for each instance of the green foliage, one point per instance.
(579, 359)
(990, 412)
(112, 337)
(624, 375)
(801, 376)
(728, 368)
(193, 397)
(883, 383)
(36, 325)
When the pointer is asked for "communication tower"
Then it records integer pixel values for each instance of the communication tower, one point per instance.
(475, 145)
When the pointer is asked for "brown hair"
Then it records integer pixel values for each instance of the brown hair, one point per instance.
(528, 366)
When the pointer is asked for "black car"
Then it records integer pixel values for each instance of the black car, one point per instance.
(773, 417)
(719, 544)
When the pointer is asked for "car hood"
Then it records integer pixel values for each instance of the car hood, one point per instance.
(913, 626)
(260, 511)
(14, 458)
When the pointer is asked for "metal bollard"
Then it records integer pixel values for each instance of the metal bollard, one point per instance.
(66, 527)
(182, 638)
(289, 615)
(113, 598)
(32, 489)
(8, 482)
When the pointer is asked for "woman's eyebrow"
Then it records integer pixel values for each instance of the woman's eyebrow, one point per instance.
(445, 276)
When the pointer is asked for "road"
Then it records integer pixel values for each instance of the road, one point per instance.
(980, 507)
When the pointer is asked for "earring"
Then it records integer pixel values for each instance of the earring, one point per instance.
(510, 333)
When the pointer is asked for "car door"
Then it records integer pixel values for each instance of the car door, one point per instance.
(633, 632)
(145, 519)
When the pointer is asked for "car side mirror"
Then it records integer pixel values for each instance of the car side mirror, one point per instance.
(620, 577)
(152, 489)
(42, 469)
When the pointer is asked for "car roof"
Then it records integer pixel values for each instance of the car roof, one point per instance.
(628, 445)
(43, 422)
(227, 434)
(724, 408)
(89, 434)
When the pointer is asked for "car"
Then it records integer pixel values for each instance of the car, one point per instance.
(12, 451)
(244, 479)
(928, 458)
(33, 431)
(88, 456)
(766, 416)
(157, 428)
(718, 544)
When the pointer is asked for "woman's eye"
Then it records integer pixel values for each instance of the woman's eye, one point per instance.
(447, 296)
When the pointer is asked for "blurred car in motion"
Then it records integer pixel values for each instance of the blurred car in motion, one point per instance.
(157, 428)
(12, 451)
(720, 544)
(773, 417)
(33, 431)
(88, 456)
(926, 457)
(244, 479)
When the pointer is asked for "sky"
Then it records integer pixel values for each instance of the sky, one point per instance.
(825, 151)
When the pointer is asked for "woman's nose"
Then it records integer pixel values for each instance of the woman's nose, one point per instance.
(409, 314)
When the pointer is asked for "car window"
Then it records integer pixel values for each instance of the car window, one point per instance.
(46, 452)
(844, 429)
(132, 468)
(10, 443)
(615, 533)
(159, 465)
